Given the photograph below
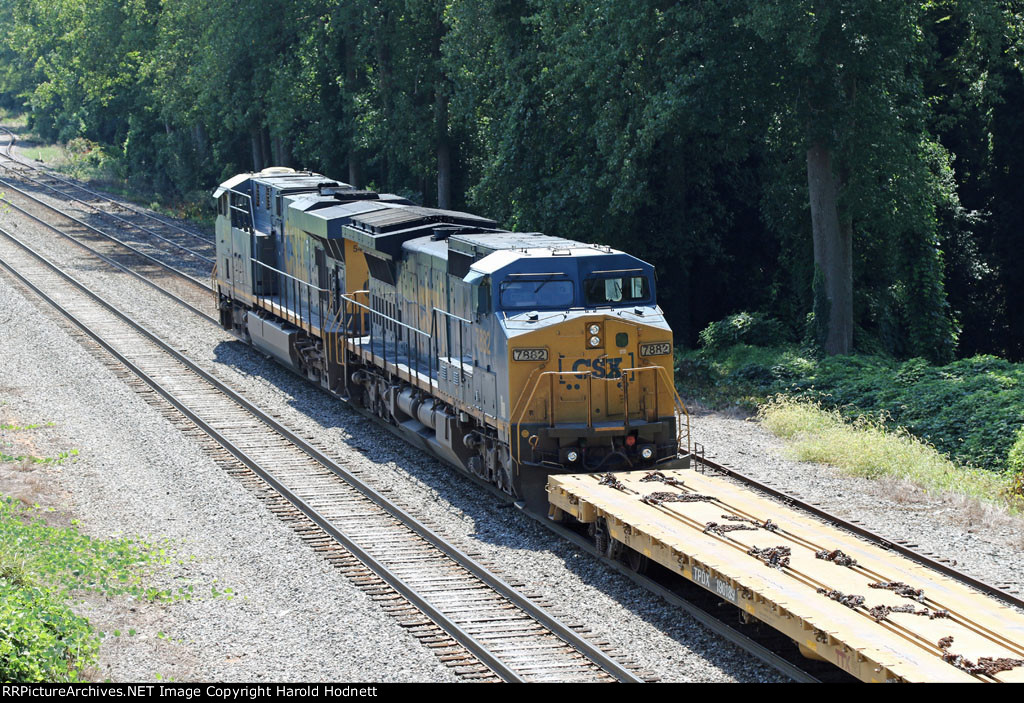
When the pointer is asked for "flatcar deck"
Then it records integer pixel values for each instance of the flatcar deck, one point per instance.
(875, 614)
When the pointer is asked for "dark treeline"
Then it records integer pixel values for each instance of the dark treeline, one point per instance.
(851, 167)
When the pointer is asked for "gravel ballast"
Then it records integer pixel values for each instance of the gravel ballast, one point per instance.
(292, 616)
(661, 639)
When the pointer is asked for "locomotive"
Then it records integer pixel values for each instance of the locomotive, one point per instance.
(511, 355)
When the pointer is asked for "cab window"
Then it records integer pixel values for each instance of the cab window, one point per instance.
(534, 294)
(616, 290)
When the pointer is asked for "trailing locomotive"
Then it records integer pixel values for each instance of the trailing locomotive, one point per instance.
(510, 355)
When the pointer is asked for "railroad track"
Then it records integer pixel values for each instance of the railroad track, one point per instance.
(180, 286)
(135, 225)
(692, 603)
(499, 629)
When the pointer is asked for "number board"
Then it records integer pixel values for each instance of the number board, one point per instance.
(529, 355)
(723, 589)
(656, 349)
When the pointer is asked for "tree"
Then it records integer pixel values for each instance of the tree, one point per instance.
(847, 92)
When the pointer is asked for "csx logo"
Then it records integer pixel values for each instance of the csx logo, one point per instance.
(604, 367)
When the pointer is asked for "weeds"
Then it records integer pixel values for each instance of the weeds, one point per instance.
(42, 569)
(15, 428)
(970, 410)
(59, 459)
(868, 447)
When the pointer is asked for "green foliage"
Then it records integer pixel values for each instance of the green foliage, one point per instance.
(755, 329)
(1015, 457)
(59, 459)
(867, 447)
(17, 428)
(971, 410)
(41, 639)
(676, 131)
(41, 569)
(87, 159)
(68, 561)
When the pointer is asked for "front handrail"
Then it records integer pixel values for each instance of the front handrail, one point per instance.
(681, 411)
(677, 401)
(522, 413)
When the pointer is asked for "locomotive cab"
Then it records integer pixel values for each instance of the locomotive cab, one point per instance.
(588, 358)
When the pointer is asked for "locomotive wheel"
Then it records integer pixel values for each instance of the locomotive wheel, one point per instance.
(503, 480)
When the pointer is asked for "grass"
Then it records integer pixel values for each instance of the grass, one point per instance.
(867, 447)
(50, 571)
(44, 570)
(971, 410)
(50, 154)
(60, 458)
(12, 119)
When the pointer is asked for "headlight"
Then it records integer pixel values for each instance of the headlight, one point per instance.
(572, 456)
(595, 341)
(646, 452)
(595, 329)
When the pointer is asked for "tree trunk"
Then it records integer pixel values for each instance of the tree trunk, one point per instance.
(275, 150)
(355, 169)
(352, 85)
(257, 150)
(444, 152)
(832, 234)
(444, 155)
(201, 141)
(286, 154)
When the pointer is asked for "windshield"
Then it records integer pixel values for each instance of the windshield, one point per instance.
(531, 295)
(616, 290)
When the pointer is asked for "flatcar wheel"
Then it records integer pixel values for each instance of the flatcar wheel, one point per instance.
(637, 561)
(598, 534)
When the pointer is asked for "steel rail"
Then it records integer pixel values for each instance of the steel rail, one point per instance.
(98, 231)
(68, 181)
(174, 298)
(100, 211)
(789, 499)
(717, 626)
(549, 621)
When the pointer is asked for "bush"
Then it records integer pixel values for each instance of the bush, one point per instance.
(971, 410)
(754, 329)
(43, 568)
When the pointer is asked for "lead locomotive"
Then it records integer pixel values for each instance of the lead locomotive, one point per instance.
(511, 355)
